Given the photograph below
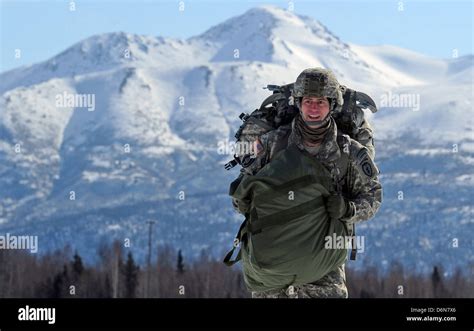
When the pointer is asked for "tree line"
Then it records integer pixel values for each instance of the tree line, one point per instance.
(63, 274)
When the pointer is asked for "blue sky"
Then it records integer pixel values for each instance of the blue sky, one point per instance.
(42, 29)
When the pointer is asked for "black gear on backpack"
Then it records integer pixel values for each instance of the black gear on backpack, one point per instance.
(280, 109)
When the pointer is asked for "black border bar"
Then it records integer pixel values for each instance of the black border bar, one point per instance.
(291, 314)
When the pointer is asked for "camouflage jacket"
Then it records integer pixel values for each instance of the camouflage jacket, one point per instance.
(358, 182)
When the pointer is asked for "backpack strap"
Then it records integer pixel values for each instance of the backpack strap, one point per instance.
(241, 235)
(280, 144)
(342, 164)
(242, 230)
(353, 244)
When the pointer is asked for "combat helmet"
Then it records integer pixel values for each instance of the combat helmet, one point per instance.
(318, 82)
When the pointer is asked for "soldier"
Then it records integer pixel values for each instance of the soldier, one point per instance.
(358, 194)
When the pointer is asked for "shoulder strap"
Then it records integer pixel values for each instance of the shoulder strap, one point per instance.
(344, 143)
(281, 143)
(341, 164)
(239, 238)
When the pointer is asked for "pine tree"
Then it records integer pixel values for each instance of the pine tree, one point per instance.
(77, 266)
(56, 291)
(436, 281)
(58, 283)
(180, 264)
(130, 272)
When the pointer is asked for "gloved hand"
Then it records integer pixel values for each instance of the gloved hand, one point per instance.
(337, 206)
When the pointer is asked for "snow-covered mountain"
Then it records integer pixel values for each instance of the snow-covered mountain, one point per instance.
(146, 143)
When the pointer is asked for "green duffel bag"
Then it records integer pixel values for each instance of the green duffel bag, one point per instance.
(283, 237)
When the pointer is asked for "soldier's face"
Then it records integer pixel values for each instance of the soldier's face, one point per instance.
(314, 108)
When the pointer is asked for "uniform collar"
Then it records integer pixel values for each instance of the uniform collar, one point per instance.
(328, 150)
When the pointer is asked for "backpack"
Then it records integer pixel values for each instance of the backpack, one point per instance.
(283, 239)
(279, 109)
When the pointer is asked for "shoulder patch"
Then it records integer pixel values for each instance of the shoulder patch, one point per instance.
(361, 157)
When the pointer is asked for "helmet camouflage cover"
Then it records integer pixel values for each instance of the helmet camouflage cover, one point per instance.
(318, 82)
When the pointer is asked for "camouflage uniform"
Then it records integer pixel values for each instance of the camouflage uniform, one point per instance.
(359, 185)
(333, 285)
